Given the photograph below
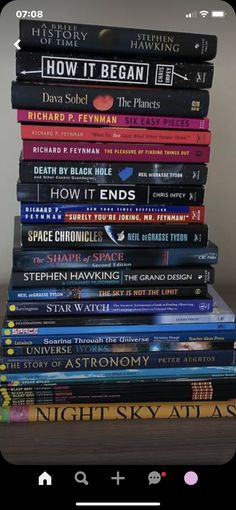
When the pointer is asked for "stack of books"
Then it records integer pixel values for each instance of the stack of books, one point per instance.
(111, 313)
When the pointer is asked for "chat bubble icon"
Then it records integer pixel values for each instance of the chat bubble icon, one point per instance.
(154, 477)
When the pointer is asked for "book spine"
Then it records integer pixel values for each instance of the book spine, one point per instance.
(107, 361)
(109, 40)
(35, 399)
(172, 317)
(29, 260)
(99, 339)
(131, 101)
(35, 378)
(46, 400)
(112, 134)
(56, 213)
(51, 350)
(203, 389)
(98, 194)
(112, 173)
(95, 151)
(31, 66)
(128, 411)
(77, 293)
(184, 394)
(172, 306)
(151, 236)
(74, 388)
(41, 350)
(50, 399)
(13, 329)
(117, 277)
(104, 119)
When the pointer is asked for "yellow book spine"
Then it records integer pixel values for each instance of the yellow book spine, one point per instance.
(118, 411)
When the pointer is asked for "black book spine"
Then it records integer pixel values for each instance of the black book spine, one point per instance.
(73, 37)
(39, 400)
(184, 392)
(141, 101)
(83, 69)
(77, 293)
(30, 260)
(206, 384)
(152, 277)
(112, 173)
(79, 236)
(99, 194)
(118, 391)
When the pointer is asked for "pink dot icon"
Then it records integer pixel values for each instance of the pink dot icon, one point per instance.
(190, 478)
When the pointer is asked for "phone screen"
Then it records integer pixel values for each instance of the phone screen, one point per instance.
(117, 274)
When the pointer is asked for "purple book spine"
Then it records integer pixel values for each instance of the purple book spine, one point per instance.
(90, 151)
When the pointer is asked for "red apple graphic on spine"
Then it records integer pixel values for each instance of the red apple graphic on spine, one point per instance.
(103, 102)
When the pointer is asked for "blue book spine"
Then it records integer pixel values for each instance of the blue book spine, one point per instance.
(74, 330)
(107, 361)
(138, 338)
(70, 213)
(165, 307)
(157, 373)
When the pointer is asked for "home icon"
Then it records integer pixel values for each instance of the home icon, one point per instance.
(45, 479)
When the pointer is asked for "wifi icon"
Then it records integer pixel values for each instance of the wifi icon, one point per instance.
(204, 13)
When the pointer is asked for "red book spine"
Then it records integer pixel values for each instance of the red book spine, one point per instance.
(195, 215)
(114, 134)
(82, 151)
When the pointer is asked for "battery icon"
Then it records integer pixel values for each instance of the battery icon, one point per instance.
(218, 14)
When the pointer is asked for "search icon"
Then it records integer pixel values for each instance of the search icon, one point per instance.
(80, 477)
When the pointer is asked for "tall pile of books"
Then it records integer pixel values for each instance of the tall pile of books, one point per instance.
(111, 313)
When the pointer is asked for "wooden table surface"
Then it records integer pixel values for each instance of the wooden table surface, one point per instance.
(200, 441)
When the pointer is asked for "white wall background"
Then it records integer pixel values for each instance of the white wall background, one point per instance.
(157, 15)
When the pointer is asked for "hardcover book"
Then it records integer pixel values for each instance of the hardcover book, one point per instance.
(112, 173)
(27, 259)
(74, 308)
(31, 66)
(188, 338)
(78, 293)
(128, 235)
(108, 361)
(104, 194)
(120, 100)
(74, 37)
(114, 277)
(128, 411)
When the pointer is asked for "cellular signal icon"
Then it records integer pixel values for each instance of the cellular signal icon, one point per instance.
(204, 13)
(191, 14)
